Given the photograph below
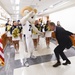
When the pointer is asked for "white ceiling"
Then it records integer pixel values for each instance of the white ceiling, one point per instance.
(43, 6)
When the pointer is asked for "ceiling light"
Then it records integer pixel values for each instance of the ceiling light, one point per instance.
(51, 6)
(13, 7)
(17, 7)
(16, 12)
(17, 17)
(17, 2)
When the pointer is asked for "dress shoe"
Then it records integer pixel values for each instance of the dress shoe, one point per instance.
(57, 64)
(67, 62)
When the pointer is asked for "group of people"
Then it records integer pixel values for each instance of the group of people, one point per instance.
(45, 30)
(14, 34)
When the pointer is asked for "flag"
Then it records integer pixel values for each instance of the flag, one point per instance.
(2, 62)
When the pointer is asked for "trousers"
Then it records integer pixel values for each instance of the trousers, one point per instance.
(59, 52)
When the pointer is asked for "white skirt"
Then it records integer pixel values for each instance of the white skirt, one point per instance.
(48, 34)
(8, 34)
(34, 36)
(16, 39)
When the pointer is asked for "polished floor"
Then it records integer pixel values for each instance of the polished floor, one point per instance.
(42, 65)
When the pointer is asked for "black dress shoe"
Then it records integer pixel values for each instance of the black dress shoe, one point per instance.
(67, 62)
(57, 64)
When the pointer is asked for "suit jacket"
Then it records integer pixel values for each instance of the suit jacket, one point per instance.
(63, 38)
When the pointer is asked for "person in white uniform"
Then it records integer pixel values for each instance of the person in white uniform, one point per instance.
(28, 39)
(35, 35)
(30, 17)
(9, 36)
(47, 33)
(15, 31)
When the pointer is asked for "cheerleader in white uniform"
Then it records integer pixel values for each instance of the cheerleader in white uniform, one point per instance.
(9, 36)
(47, 33)
(15, 31)
(35, 37)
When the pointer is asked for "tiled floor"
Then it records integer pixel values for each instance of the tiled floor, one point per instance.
(47, 69)
(42, 50)
(42, 65)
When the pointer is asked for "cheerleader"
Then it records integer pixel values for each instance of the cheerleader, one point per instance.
(20, 26)
(47, 33)
(15, 31)
(39, 28)
(9, 36)
(35, 35)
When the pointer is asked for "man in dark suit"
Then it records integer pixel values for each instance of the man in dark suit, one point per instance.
(64, 41)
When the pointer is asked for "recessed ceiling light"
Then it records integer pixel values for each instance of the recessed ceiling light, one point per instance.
(17, 7)
(17, 17)
(51, 6)
(13, 7)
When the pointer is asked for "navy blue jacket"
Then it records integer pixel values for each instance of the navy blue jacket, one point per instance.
(63, 38)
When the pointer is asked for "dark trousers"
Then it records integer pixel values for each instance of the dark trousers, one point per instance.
(59, 52)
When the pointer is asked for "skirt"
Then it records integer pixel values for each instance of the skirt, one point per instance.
(48, 34)
(8, 34)
(16, 39)
(34, 36)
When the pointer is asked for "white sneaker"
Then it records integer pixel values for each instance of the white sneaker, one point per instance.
(33, 57)
(26, 64)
